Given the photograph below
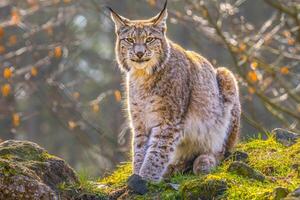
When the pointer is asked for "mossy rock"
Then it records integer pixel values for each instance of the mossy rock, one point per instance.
(295, 195)
(27, 171)
(208, 189)
(245, 170)
(279, 193)
(285, 137)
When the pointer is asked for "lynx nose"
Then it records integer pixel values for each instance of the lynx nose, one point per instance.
(139, 54)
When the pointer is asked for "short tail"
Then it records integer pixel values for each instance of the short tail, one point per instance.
(230, 94)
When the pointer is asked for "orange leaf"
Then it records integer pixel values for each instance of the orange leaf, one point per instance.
(286, 33)
(251, 90)
(284, 70)
(2, 49)
(76, 95)
(12, 40)
(57, 52)
(72, 124)
(291, 41)
(67, 1)
(33, 71)
(242, 46)
(5, 89)
(15, 17)
(32, 3)
(152, 2)
(1, 32)
(16, 119)
(118, 95)
(252, 76)
(95, 107)
(7, 73)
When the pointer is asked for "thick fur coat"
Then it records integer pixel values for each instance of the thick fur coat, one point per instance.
(180, 108)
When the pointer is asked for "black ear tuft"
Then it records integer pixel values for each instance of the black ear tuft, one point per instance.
(161, 18)
(118, 20)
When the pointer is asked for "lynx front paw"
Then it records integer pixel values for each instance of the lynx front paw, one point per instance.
(150, 175)
(203, 164)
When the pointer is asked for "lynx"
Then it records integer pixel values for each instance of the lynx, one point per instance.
(180, 108)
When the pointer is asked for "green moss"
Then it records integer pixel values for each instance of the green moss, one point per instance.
(203, 189)
(118, 178)
(7, 169)
(46, 156)
(23, 151)
(278, 163)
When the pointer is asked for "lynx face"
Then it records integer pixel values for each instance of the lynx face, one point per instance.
(141, 44)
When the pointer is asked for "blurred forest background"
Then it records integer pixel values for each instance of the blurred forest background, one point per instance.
(60, 85)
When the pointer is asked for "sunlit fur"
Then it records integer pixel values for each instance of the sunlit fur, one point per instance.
(180, 108)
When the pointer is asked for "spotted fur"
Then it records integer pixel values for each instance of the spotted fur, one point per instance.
(180, 108)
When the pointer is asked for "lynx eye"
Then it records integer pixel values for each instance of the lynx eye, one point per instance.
(130, 40)
(150, 39)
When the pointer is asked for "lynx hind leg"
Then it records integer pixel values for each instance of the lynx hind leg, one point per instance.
(230, 93)
(234, 128)
(204, 163)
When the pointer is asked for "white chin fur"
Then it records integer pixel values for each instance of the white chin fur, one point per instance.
(147, 66)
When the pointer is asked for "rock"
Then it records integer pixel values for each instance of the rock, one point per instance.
(296, 192)
(285, 137)
(295, 195)
(137, 184)
(27, 171)
(208, 189)
(173, 186)
(245, 170)
(279, 193)
(238, 156)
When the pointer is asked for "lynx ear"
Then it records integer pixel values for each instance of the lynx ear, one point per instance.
(161, 18)
(118, 19)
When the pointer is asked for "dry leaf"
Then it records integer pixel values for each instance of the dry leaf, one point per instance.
(57, 52)
(12, 40)
(16, 119)
(2, 49)
(15, 17)
(33, 71)
(7, 73)
(152, 2)
(5, 89)
(76, 95)
(252, 76)
(284, 70)
(118, 96)
(95, 107)
(242, 46)
(251, 90)
(291, 41)
(1, 32)
(72, 125)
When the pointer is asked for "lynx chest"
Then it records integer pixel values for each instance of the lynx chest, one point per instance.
(143, 106)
